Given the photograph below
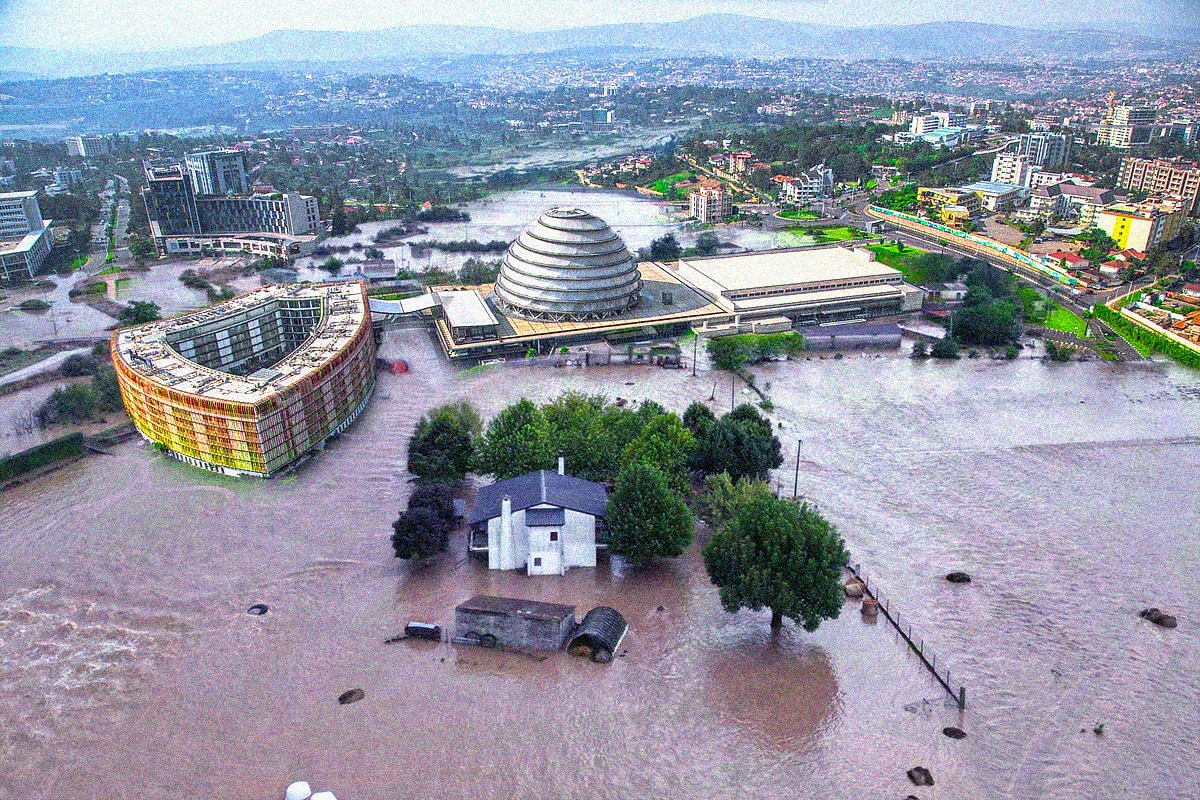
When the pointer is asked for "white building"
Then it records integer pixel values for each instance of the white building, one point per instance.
(711, 206)
(25, 238)
(1044, 149)
(542, 522)
(88, 146)
(1012, 169)
(813, 184)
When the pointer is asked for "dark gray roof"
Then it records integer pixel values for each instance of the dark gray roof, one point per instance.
(537, 488)
(511, 606)
(545, 517)
(601, 626)
(854, 329)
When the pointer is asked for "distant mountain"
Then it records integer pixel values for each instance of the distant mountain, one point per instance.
(713, 34)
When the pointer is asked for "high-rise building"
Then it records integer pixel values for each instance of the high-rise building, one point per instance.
(1012, 168)
(1161, 176)
(88, 146)
(1126, 126)
(216, 172)
(176, 209)
(711, 205)
(25, 238)
(595, 116)
(1044, 150)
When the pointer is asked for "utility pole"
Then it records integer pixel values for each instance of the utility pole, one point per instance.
(695, 347)
(796, 482)
(732, 384)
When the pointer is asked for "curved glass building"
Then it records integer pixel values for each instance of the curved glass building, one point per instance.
(567, 266)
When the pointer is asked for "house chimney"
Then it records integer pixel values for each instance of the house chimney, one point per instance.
(506, 534)
(562, 465)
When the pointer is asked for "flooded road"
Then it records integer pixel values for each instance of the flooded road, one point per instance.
(128, 666)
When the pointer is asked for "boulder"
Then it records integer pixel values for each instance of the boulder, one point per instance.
(920, 776)
(954, 733)
(870, 607)
(352, 696)
(853, 589)
(1158, 617)
(258, 609)
(958, 577)
(300, 790)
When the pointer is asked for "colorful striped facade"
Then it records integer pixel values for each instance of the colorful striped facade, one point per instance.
(308, 354)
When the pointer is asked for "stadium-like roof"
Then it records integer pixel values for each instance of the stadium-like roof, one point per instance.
(568, 265)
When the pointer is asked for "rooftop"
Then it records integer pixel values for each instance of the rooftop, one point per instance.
(778, 268)
(145, 349)
(540, 488)
(511, 606)
(466, 309)
(991, 187)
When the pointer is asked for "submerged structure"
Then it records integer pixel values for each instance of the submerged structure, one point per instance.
(251, 385)
(568, 266)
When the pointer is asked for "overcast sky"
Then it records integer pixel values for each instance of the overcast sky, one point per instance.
(153, 24)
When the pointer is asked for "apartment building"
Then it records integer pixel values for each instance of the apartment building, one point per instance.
(217, 172)
(87, 146)
(1046, 150)
(1012, 169)
(711, 206)
(813, 184)
(1142, 226)
(1161, 176)
(1084, 202)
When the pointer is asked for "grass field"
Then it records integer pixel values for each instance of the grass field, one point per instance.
(800, 214)
(664, 185)
(1060, 319)
(905, 260)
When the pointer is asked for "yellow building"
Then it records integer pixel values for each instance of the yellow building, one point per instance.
(937, 198)
(250, 385)
(1143, 226)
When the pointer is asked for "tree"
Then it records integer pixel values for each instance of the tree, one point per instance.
(707, 243)
(442, 445)
(423, 530)
(517, 441)
(646, 519)
(139, 312)
(142, 248)
(723, 498)
(920, 349)
(777, 555)
(698, 418)
(945, 347)
(666, 444)
(333, 265)
(665, 248)
(741, 446)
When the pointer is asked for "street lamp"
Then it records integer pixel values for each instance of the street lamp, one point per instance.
(796, 481)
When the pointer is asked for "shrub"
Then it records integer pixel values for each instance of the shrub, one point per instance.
(80, 364)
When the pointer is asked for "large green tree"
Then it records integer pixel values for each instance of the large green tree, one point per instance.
(442, 445)
(664, 443)
(723, 497)
(646, 518)
(518, 440)
(777, 555)
(742, 444)
(588, 433)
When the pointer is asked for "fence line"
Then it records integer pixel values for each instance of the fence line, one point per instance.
(926, 654)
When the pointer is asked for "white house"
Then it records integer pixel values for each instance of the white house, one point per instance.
(543, 522)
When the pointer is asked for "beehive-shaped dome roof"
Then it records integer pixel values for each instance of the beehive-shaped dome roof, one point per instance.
(568, 265)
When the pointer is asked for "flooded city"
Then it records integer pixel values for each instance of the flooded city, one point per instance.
(129, 666)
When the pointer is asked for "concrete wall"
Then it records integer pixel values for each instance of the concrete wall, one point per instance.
(577, 539)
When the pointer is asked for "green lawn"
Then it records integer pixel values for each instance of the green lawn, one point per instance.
(801, 214)
(843, 233)
(904, 260)
(664, 185)
(1060, 319)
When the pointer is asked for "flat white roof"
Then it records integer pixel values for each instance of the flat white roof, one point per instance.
(781, 268)
(466, 309)
(17, 195)
(802, 299)
(26, 242)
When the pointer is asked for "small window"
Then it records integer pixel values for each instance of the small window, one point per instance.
(537, 562)
(554, 536)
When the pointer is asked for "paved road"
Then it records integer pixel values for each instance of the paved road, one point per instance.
(45, 365)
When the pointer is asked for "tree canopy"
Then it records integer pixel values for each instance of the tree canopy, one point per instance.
(517, 441)
(646, 518)
(775, 554)
(666, 444)
(742, 444)
(423, 530)
(665, 248)
(443, 444)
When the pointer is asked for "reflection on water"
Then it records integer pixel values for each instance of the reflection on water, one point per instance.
(128, 664)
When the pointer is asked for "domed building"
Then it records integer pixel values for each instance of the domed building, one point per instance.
(568, 266)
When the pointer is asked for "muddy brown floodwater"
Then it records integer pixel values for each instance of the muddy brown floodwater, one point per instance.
(130, 668)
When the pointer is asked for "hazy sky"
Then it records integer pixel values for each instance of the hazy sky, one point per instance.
(152, 24)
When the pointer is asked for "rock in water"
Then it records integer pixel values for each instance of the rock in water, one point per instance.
(352, 696)
(1158, 617)
(870, 607)
(920, 776)
(958, 577)
(300, 790)
(853, 589)
(954, 733)
(258, 609)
